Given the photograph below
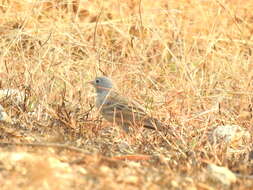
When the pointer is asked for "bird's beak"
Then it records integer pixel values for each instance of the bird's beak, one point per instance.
(91, 82)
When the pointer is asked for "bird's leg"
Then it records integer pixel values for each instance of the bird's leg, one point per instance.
(126, 128)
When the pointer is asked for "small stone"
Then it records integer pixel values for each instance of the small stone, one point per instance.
(104, 169)
(131, 179)
(221, 174)
(232, 134)
(15, 95)
(4, 116)
(82, 171)
(174, 183)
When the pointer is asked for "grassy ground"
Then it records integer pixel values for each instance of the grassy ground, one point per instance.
(189, 62)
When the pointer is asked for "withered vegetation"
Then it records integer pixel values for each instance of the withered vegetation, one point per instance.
(189, 62)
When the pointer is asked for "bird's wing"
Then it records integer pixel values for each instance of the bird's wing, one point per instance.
(130, 110)
(123, 104)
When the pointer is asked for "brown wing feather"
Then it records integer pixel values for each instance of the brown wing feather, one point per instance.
(126, 112)
(123, 104)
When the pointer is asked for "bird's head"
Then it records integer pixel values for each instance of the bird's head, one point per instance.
(102, 84)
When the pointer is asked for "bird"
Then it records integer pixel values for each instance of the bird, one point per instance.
(120, 110)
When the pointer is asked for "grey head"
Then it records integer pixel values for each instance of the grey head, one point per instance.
(102, 84)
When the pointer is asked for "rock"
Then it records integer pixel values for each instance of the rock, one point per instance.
(4, 116)
(131, 180)
(15, 95)
(221, 174)
(232, 134)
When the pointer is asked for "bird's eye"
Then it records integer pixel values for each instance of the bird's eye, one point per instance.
(97, 81)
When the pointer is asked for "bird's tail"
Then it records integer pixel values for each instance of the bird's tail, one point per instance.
(153, 123)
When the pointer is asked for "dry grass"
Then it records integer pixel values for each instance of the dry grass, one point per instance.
(179, 58)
